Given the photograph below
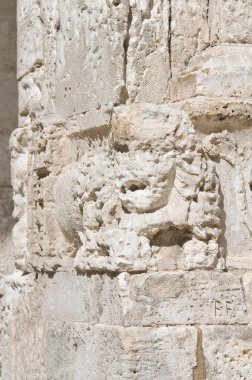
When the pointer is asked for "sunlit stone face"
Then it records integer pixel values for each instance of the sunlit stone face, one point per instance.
(144, 180)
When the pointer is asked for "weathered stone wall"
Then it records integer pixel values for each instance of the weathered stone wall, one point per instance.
(132, 184)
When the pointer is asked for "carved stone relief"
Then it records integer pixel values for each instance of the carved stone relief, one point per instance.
(131, 171)
(147, 185)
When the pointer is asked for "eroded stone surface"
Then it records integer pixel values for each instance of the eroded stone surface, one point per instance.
(183, 299)
(148, 186)
(162, 298)
(131, 353)
(78, 351)
(227, 352)
(131, 173)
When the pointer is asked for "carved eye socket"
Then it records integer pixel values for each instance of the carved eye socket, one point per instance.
(133, 187)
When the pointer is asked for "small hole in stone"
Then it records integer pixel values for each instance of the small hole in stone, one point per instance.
(133, 188)
(41, 203)
(125, 210)
(42, 172)
(39, 225)
(75, 345)
(137, 187)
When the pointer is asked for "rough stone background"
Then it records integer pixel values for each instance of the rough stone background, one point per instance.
(165, 322)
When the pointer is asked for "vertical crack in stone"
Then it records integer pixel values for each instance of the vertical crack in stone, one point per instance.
(199, 371)
(125, 47)
(207, 11)
(207, 20)
(170, 37)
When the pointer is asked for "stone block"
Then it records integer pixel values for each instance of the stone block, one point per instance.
(30, 41)
(189, 34)
(135, 220)
(144, 300)
(28, 350)
(208, 74)
(230, 21)
(27, 9)
(180, 298)
(31, 101)
(147, 55)
(217, 114)
(227, 351)
(247, 284)
(71, 297)
(37, 30)
(89, 55)
(78, 351)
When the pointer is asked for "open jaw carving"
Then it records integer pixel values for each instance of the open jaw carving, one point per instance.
(146, 190)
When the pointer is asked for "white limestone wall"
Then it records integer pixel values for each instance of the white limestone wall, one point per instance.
(133, 235)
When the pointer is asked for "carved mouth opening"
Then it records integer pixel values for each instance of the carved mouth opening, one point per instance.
(135, 187)
(171, 237)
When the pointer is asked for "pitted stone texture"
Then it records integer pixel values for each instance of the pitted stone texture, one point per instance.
(186, 42)
(94, 203)
(129, 213)
(217, 114)
(146, 299)
(77, 351)
(200, 298)
(49, 155)
(125, 189)
(145, 186)
(31, 96)
(77, 298)
(30, 39)
(247, 285)
(19, 177)
(205, 76)
(128, 51)
(147, 52)
(14, 289)
(227, 351)
(234, 152)
(230, 21)
(90, 54)
(28, 350)
(37, 37)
